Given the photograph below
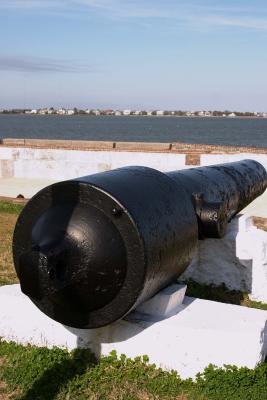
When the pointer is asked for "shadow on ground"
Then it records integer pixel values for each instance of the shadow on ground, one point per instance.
(54, 379)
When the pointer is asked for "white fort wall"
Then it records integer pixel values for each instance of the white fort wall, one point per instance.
(59, 160)
(65, 164)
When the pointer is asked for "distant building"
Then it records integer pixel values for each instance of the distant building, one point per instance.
(107, 112)
(95, 112)
(231, 115)
(70, 112)
(159, 113)
(61, 111)
(43, 111)
(118, 113)
(33, 112)
(126, 112)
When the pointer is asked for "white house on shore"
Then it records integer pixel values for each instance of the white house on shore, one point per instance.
(95, 112)
(190, 113)
(61, 111)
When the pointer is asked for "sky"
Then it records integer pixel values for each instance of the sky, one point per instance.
(149, 54)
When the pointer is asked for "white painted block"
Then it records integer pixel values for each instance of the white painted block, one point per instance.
(202, 332)
(239, 260)
(165, 303)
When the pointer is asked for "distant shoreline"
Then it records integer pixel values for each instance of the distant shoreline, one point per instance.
(135, 116)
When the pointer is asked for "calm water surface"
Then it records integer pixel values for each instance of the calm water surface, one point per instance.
(224, 131)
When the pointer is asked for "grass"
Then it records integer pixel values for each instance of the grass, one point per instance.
(30, 373)
(8, 215)
(7, 271)
(222, 294)
(10, 207)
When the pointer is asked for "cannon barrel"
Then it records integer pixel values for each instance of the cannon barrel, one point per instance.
(89, 250)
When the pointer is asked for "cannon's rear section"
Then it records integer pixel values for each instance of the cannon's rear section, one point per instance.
(221, 191)
(89, 250)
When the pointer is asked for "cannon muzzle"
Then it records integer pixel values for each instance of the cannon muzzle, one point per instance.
(89, 250)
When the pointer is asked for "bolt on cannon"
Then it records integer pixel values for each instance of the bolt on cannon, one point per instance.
(87, 251)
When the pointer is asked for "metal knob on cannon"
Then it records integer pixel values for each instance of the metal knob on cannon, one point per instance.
(87, 251)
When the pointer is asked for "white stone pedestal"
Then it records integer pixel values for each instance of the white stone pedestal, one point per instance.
(186, 335)
(239, 260)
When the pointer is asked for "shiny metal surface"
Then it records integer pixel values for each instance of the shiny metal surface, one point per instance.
(87, 251)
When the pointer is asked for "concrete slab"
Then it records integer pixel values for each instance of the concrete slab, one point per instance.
(202, 332)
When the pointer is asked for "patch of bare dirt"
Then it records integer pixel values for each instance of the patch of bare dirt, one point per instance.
(260, 223)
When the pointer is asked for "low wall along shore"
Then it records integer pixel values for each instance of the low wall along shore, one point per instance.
(65, 159)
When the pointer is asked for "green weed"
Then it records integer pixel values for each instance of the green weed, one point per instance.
(31, 373)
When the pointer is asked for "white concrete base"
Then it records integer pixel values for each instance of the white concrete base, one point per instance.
(239, 260)
(202, 332)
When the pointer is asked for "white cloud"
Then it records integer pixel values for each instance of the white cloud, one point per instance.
(199, 13)
(29, 4)
(250, 23)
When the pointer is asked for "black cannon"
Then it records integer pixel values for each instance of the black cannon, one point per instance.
(87, 251)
